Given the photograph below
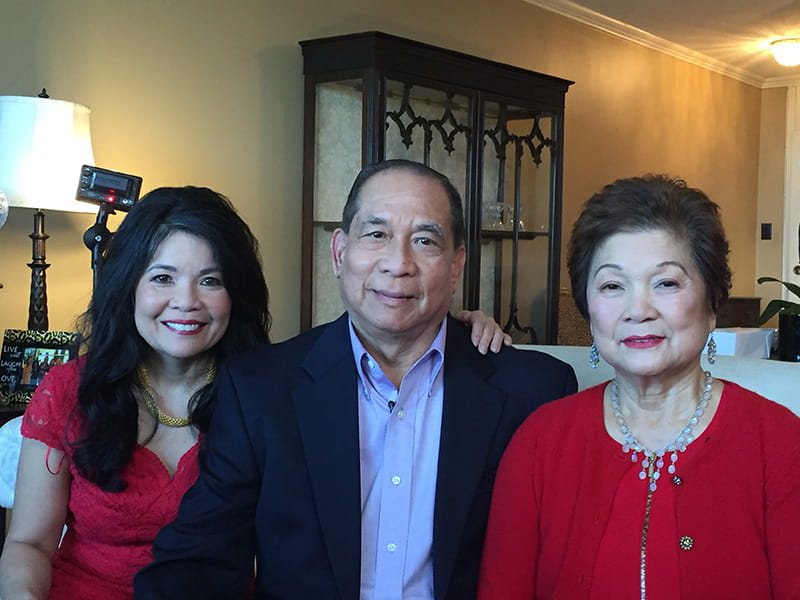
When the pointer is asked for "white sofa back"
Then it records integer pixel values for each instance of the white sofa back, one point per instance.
(773, 379)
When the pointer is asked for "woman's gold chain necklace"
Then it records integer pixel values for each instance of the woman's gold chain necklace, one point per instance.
(152, 405)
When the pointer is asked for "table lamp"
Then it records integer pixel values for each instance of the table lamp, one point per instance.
(43, 144)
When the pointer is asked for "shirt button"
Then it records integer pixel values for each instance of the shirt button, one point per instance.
(401, 414)
(371, 364)
(396, 480)
(686, 542)
(391, 547)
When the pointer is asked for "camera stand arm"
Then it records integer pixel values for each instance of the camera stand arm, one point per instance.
(97, 238)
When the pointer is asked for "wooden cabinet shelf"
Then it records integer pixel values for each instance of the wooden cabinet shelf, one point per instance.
(494, 234)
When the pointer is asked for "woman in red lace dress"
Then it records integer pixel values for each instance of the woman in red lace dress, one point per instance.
(111, 439)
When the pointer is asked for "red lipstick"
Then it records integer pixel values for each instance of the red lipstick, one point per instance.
(642, 341)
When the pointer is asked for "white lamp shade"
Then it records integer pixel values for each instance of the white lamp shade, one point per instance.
(43, 144)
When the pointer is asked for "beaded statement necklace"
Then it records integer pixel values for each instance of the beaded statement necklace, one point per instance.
(653, 460)
(152, 405)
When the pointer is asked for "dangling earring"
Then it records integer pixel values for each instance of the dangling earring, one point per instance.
(594, 356)
(711, 349)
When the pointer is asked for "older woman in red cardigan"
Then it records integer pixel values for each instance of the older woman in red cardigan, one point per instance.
(665, 482)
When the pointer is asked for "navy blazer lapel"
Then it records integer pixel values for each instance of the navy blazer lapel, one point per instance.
(327, 416)
(470, 414)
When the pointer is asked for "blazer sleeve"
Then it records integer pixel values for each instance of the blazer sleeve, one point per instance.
(208, 551)
(569, 381)
(554, 378)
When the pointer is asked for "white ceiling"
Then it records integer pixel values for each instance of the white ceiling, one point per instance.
(728, 36)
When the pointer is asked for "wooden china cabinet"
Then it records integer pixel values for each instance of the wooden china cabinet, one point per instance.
(496, 130)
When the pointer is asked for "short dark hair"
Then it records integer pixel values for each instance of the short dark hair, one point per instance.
(652, 202)
(115, 348)
(354, 201)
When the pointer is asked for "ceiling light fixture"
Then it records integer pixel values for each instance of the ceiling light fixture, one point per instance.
(786, 51)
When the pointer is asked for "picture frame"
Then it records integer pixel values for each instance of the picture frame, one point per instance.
(27, 356)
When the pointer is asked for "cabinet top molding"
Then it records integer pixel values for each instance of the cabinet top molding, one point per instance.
(350, 55)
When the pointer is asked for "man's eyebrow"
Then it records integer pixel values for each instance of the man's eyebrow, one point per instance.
(433, 228)
(430, 227)
(373, 220)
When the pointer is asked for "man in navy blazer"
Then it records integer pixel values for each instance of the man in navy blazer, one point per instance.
(356, 460)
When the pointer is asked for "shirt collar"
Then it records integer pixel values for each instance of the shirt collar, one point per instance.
(435, 351)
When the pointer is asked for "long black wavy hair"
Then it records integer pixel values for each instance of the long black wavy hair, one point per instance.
(108, 386)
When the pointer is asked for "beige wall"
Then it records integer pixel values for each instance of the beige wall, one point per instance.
(769, 255)
(210, 93)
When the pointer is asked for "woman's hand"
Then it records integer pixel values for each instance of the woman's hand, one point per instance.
(486, 333)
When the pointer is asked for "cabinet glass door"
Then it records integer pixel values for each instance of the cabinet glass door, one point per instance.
(337, 161)
(516, 218)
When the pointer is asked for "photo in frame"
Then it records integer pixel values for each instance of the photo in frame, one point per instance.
(27, 356)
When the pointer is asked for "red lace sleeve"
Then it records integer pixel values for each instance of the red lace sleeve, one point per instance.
(47, 417)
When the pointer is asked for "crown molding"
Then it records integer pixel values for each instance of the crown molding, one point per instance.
(633, 34)
(774, 82)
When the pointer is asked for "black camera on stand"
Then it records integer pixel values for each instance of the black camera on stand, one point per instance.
(111, 191)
